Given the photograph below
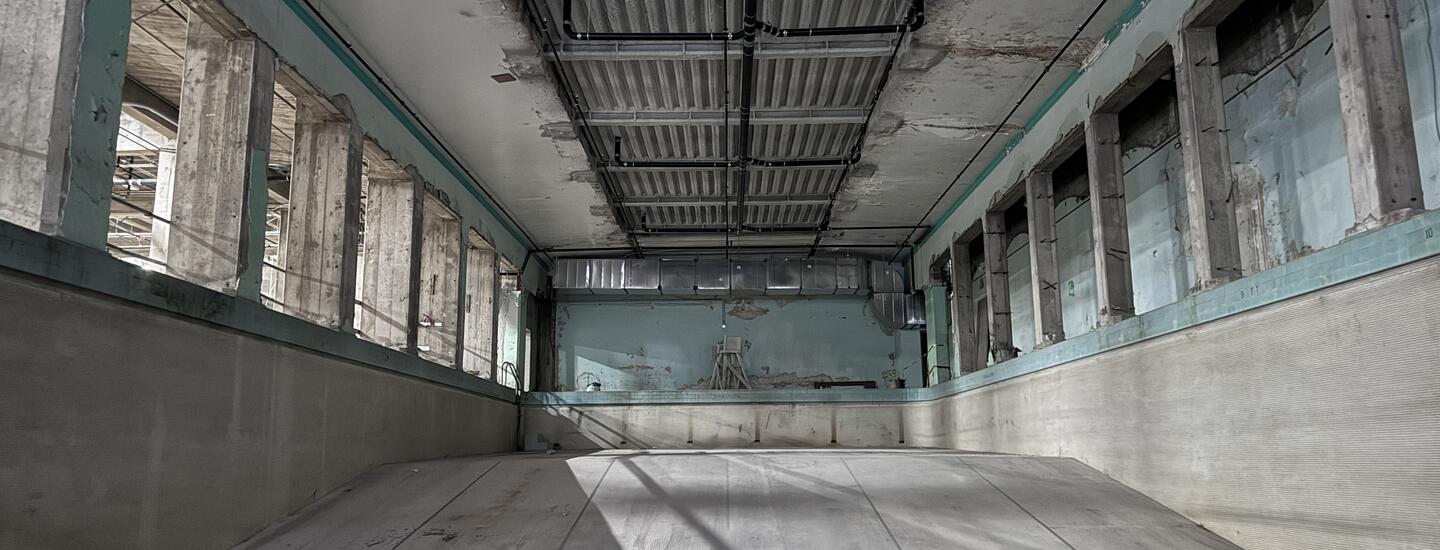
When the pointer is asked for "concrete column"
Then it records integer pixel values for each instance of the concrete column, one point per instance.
(937, 324)
(272, 281)
(1375, 107)
(218, 202)
(164, 189)
(1110, 227)
(1209, 182)
(387, 315)
(510, 332)
(495, 335)
(1044, 264)
(439, 283)
(462, 292)
(522, 342)
(997, 287)
(479, 343)
(962, 309)
(324, 234)
(63, 66)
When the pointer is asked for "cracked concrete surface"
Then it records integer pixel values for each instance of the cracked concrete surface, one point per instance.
(741, 499)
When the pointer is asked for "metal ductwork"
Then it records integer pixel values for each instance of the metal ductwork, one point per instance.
(898, 310)
(755, 276)
(890, 302)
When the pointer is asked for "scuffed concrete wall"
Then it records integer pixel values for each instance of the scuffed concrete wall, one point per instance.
(1308, 423)
(669, 344)
(126, 427)
(1286, 132)
(802, 425)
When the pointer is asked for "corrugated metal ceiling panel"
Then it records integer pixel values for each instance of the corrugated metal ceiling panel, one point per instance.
(672, 109)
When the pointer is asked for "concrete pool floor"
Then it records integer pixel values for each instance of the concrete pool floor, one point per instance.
(738, 499)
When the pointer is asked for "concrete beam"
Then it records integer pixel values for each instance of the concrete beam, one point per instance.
(719, 201)
(997, 287)
(164, 193)
(392, 214)
(1044, 265)
(962, 309)
(717, 118)
(439, 283)
(218, 203)
(690, 51)
(937, 326)
(1110, 227)
(1209, 182)
(1375, 107)
(324, 232)
(481, 283)
(64, 66)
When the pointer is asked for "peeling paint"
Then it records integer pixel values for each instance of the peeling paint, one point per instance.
(558, 130)
(524, 63)
(777, 381)
(1028, 51)
(958, 128)
(747, 310)
(922, 56)
(613, 341)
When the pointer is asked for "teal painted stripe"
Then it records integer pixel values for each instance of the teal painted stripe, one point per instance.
(1125, 18)
(311, 20)
(1364, 255)
(702, 397)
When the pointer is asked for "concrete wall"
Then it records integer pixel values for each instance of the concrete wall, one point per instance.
(1308, 423)
(1420, 28)
(715, 426)
(1305, 424)
(301, 40)
(1160, 266)
(669, 344)
(1285, 130)
(127, 427)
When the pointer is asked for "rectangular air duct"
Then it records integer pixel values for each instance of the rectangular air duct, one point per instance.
(572, 276)
(607, 277)
(712, 277)
(886, 277)
(677, 277)
(785, 276)
(753, 276)
(898, 310)
(818, 276)
(642, 277)
(850, 275)
(748, 278)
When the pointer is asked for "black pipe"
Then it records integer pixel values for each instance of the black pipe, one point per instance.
(567, 23)
(914, 19)
(747, 99)
(836, 162)
(571, 101)
(917, 17)
(721, 248)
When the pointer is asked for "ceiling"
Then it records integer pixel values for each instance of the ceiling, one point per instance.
(883, 158)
